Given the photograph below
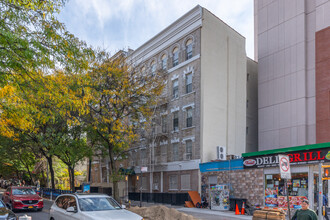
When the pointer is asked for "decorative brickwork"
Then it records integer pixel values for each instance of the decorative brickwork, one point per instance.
(246, 184)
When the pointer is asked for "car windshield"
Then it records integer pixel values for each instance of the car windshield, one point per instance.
(98, 204)
(24, 191)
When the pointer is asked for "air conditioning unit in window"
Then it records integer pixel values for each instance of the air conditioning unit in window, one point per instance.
(221, 153)
(155, 186)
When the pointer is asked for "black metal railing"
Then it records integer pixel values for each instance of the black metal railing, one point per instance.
(165, 198)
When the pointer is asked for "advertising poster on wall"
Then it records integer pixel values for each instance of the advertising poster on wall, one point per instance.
(295, 201)
(271, 197)
(219, 197)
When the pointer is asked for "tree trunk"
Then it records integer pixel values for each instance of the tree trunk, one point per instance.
(89, 170)
(71, 178)
(114, 175)
(51, 170)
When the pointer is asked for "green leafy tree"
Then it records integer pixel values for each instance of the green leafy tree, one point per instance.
(32, 39)
(120, 99)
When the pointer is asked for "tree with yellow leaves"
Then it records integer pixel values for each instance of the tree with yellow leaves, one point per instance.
(120, 99)
(46, 115)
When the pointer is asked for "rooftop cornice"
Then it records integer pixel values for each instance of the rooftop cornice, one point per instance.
(188, 22)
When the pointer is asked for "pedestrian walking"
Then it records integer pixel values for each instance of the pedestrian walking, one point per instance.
(305, 213)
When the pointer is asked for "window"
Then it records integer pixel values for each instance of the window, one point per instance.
(163, 151)
(175, 86)
(175, 56)
(153, 68)
(189, 49)
(143, 157)
(275, 185)
(59, 203)
(164, 124)
(173, 182)
(189, 117)
(164, 62)
(189, 83)
(175, 152)
(104, 175)
(185, 181)
(175, 121)
(65, 202)
(188, 150)
(144, 183)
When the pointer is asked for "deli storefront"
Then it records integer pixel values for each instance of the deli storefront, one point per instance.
(304, 161)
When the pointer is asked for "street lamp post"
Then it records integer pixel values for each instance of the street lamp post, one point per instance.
(140, 188)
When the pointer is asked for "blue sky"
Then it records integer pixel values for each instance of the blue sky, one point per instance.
(122, 24)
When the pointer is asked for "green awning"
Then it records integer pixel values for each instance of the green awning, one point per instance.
(124, 171)
(287, 150)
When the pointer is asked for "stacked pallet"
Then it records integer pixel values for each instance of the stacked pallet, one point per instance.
(273, 214)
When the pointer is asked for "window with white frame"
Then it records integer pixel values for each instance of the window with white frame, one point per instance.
(175, 151)
(188, 149)
(189, 83)
(189, 118)
(164, 124)
(175, 53)
(175, 89)
(173, 182)
(164, 62)
(189, 49)
(176, 121)
(153, 68)
(185, 182)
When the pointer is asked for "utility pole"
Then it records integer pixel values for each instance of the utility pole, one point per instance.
(140, 188)
(320, 212)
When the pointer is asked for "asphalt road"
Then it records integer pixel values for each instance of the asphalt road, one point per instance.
(202, 214)
(43, 215)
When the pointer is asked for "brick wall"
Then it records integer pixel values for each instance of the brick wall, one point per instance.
(246, 184)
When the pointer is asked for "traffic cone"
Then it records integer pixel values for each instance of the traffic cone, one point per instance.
(243, 209)
(237, 210)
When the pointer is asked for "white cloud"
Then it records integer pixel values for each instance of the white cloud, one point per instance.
(129, 23)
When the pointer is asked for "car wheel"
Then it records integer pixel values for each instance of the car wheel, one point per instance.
(39, 210)
(51, 218)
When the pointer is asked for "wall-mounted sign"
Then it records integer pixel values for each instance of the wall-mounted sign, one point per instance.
(296, 158)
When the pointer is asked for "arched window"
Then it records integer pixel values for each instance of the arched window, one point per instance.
(153, 68)
(175, 56)
(189, 49)
(164, 62)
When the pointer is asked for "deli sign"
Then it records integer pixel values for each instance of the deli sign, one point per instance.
(296, 158)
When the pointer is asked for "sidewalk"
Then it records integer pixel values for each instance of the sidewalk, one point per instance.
(203, 214)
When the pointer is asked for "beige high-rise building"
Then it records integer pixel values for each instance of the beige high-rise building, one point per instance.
(292, 41)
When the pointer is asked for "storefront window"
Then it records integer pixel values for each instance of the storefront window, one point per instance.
(276, 193)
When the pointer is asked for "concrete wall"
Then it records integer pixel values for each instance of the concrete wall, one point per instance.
(252, 106)
(322, 85)
(223, 88)
(286, 62)
(245, 184)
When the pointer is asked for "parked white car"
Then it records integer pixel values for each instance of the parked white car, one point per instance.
(83, 206)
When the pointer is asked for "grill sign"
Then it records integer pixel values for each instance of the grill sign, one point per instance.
(296, 158)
